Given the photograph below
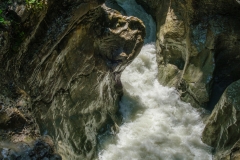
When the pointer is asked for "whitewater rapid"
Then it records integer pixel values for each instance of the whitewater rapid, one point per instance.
(157, 125)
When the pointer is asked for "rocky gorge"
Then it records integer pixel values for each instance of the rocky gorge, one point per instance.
(198, 53)
(61, 64)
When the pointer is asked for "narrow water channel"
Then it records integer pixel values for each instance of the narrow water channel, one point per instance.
(157, 125)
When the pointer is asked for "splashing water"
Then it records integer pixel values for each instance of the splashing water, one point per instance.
(157, 124)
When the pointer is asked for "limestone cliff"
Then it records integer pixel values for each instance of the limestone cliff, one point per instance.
(68, 57)
(198, 45)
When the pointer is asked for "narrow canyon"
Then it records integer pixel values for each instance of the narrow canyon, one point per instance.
(119, 80)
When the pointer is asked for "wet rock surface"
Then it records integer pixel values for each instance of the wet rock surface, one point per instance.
(222, 127)
(68, 61)
(198, 53)
(229, 154)
(192, 39)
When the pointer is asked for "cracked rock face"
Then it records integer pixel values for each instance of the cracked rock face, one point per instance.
(69, 63)
(83, 84)
(192, 42)
(222, 128)
(198, 53)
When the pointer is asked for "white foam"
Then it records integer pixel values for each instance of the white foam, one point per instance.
(163, 127)
(157, 124)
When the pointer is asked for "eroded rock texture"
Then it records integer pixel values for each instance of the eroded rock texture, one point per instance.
(19, 133)
(197, 42)
(69, 62)
(222, 128)
(198, 45)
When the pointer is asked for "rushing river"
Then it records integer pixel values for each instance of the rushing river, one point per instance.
(157, 125)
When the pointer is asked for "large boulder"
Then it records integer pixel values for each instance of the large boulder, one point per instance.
(69, 60)
(222, 129)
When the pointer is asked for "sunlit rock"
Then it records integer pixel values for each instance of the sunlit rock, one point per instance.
(69, 60)
(198, 53)
(222, 128)
(189, 45)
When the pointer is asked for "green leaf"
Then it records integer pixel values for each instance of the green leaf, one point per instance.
(2, 20)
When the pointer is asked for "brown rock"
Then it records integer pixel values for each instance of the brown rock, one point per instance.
(69, 63)
(191, 40)
(222, 128)
(19, 133)
(198, 53)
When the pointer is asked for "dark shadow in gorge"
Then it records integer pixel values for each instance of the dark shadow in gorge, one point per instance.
(114, 5)
(227, 69)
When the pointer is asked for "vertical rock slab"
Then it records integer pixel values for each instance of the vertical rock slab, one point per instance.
(222, 128)
(189, 52)
(181, 65)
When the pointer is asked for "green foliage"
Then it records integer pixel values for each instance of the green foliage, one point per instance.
(35, 4)
(1, 18)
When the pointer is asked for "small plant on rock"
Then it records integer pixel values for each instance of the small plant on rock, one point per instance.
(35, 4)
(2, 20)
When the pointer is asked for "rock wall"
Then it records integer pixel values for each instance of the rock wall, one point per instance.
(222, 128)
(69, 61)
(67, 57)
(198, 53)
(196, 43)
(19, 133)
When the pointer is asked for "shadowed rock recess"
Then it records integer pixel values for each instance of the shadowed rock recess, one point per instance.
(198, 45)
(60, 71)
